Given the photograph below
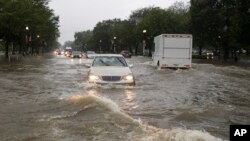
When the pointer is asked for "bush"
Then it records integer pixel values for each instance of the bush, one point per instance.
(1, 47)
(199, 57)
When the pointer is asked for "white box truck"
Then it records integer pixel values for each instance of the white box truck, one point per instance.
(173, 51)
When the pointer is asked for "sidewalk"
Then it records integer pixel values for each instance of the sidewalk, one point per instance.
(243, 62)
(21, 58)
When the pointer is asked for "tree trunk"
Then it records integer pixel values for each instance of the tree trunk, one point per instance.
(200, 50)
(150, 45)
(21, 46)
(235, 55)
(7, 49)
(226, 54)
(150, 51)
(32, 49)
(136, 49)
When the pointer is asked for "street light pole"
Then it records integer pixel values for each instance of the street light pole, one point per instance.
(26, 40)
(144, 42)
(114, 45)
(100, 46)
(38, 44)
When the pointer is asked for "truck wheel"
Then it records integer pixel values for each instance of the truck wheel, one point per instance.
(158, 65)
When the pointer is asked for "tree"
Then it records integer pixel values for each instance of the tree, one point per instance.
(219, 23)
(244, 24)
(82, 39)
(68, 44)
(17, 14)
(160, 21)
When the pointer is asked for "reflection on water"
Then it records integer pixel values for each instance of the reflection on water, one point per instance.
(92, 91)
(130, 100)
(130, 95)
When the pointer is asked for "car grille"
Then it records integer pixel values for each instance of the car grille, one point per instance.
(111, 78)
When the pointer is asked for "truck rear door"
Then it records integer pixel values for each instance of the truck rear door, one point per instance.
(177, 47)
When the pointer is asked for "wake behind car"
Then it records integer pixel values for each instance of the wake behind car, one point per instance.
(110, 68)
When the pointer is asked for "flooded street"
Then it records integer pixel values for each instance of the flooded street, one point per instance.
(48, 99)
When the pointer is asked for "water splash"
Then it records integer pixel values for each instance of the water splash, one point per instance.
(127, 128)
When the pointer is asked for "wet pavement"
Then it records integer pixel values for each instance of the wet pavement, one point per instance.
(48, 98)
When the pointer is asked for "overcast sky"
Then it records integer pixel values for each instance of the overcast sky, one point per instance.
(79, 15)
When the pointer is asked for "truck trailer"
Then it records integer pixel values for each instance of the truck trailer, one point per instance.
(173, 51)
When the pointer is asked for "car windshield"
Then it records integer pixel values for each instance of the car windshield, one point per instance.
(76, 52)
(109, 61)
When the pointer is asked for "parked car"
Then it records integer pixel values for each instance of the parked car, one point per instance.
(210, 55)
(76, 54)
(126, 54)
(110, 68)
(90, 54)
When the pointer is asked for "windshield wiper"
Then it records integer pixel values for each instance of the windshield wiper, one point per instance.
(122, 62)
(104, 63)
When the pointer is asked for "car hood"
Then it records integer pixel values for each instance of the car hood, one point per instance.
(91, 55)
(110, 71)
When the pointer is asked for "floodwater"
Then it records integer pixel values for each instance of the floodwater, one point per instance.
(48, 99)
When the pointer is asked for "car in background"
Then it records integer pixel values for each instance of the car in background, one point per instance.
(110, 69)
(76, 54)
(68, 51)
(126, 54)
(58, 52)
(90, 54)
(210, 55)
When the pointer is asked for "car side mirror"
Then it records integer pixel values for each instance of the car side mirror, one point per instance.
(131, 66)
(88, 65)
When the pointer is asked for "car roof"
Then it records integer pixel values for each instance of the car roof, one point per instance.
(68, 48)
(76, 52)
(109, 55)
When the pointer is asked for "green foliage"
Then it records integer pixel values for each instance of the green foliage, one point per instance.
(128, 33)
(221, 24)
(15, 15)
(110, 33)
(82, 39)
(68, 44)
(159, 21)
(215, 24)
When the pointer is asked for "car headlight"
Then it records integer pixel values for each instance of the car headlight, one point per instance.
(128, 77)
(93, 78)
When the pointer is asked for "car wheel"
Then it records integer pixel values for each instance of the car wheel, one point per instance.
(158, 65)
